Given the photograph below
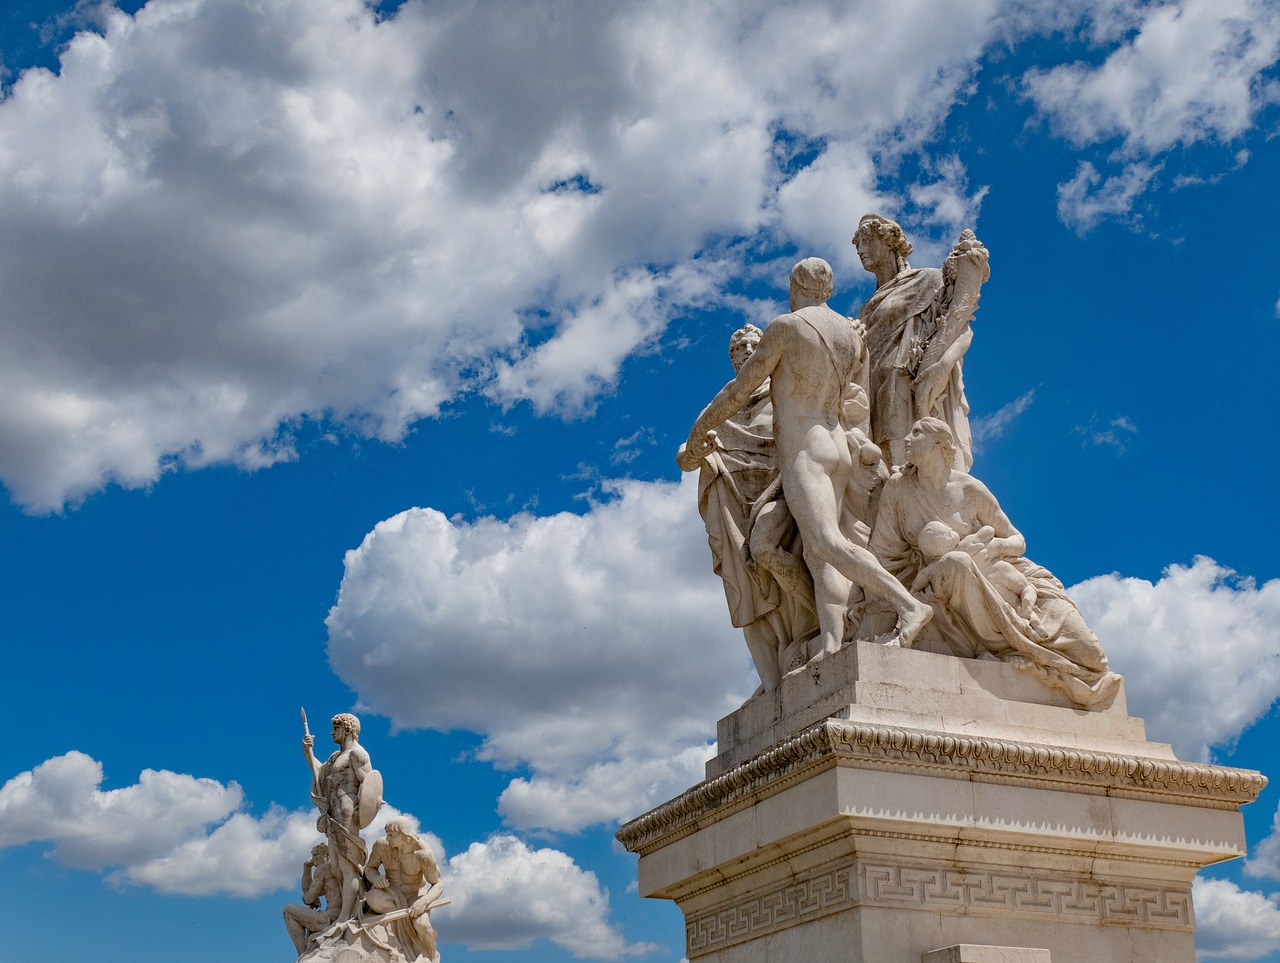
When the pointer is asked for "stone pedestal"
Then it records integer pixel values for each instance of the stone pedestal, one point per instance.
(896, 806)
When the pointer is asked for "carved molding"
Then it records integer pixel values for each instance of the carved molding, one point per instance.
(833, 742)
(942, 889)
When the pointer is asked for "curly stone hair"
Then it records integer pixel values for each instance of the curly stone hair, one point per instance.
(347, 721)
(890, 232)
(748, 332)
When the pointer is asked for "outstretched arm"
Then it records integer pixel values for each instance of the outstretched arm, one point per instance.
(733, 396)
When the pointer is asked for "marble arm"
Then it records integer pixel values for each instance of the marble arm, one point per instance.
(730, 399)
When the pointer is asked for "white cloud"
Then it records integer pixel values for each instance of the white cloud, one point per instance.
(1265, 859)
(1117, 433)
(506, 895)
(179, 834)
(1086, 200)
(600, 792)
(987, 428)
(1192, 71)
(224, 216)
(594, 649)
(60, 801)
(244, 856)
(1183, 73)
(1197, 649)
(1234, 924)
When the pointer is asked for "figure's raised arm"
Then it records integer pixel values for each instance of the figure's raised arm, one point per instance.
(736, 393)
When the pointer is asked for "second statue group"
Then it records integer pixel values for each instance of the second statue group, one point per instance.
(835, 486)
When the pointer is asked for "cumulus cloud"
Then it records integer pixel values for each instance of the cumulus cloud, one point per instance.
(1234, 924)
(244, 856)
(1197, 649)
(1193, 70)
(223, 217)
(178, 834)
(1265, 858)
(506, 895)
(60, 801)
(593, 649)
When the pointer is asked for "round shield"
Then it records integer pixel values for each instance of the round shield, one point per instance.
(370, 798)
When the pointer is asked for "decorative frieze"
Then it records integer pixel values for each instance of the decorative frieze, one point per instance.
(941, 889)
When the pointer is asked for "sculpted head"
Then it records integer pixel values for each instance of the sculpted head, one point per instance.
(876, 231)
(345, 722)
(742, 343)
(812, 280)
(400, 826)
(938, 538)
(929, 435)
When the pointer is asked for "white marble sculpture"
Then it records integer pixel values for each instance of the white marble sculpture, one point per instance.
(348, 792)
(752, 534)
(810, 357)
(319, 881)
(793, 483)
(377, 905)
(404, 886)
(988, 599)
(917, 324)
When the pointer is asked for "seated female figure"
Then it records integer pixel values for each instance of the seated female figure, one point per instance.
(973, 608)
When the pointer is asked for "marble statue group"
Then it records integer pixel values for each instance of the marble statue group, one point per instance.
(361, 905)
(835, 485)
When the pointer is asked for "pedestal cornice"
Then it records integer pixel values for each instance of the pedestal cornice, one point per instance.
(835, 742)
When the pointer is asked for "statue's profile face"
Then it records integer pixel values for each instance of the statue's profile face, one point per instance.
(338, 732)
(921, 445)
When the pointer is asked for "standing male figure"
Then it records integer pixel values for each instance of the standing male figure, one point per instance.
(811, 355)
(409, 879)
(346, 803)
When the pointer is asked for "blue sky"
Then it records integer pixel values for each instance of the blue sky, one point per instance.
(347, 350)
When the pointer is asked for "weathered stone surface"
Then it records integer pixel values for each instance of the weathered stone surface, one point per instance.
(967, 953)
(888, 828)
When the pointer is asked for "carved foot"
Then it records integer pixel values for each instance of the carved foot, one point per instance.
(910, 625)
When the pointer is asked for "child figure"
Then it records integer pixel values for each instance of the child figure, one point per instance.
(938, 538)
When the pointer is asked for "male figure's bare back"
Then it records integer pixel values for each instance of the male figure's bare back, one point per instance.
(811, 354)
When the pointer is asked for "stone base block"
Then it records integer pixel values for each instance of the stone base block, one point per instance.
(965, 953)
(896, 824)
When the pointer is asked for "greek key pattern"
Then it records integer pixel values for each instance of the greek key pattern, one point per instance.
(771, 910)
(932, 887)
(938, 889)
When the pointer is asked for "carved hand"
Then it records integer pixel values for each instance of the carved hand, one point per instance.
(930, 384)
(696, 449)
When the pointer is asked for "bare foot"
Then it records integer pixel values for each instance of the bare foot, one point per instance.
(911, 623)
